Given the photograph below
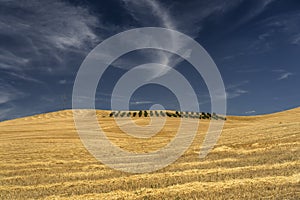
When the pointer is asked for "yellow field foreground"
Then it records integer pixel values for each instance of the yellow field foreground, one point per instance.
(256, 157)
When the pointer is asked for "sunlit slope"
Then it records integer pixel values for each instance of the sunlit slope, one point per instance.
(256, 157)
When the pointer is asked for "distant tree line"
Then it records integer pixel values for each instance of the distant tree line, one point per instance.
(155, 113)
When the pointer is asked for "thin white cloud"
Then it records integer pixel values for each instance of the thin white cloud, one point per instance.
(231, 57)
(154, 13)
(62, 82)
(286, 24)
(144, 10)
(8, 60)
(250, 70)
(250, 112)
(190, 20)
(5, 97)
(296, 39)
(260, 6)
(235, 90)
(163, 18)
(4, 113)
(278, 70)
(19, 75)
(232, 91)
(285, 75)
(141, 102)
(236, 85)
(235, 93)
(192, 14)
(9, 93)
(43, 38)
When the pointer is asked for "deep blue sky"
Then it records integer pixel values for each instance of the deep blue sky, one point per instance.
(255, 44)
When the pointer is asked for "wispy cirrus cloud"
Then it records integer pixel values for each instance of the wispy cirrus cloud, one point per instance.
(233, 91)
(9, 93)
(141, 102)
(40, 39)
(8, 60)
(236, 93)
(282, 74)
(5, 112)
(36, 35)
(258, 7)
(158, 16)
(250, 112)
(286, 25)
(188, 20)
(285, 75)
(236, 89)
(22, 76)
(295, 39)
(154, 13)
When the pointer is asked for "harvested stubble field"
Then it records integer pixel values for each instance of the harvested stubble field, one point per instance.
(255, 158)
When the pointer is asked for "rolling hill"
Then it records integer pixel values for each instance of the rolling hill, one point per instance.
(256, 157)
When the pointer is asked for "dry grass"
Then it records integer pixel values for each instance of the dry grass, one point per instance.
(255, 158)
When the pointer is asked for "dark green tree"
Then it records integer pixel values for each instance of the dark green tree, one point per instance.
(112, 114)
(209, 115)
(178, 114)
(169, 114)
(140, 113)
(185, 114)
(151, 113)
(145, 113)
(156, 113)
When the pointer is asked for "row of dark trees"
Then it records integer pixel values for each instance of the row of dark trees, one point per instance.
(152, 113)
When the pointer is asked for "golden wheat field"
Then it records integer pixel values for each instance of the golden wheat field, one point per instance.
(256, 157)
